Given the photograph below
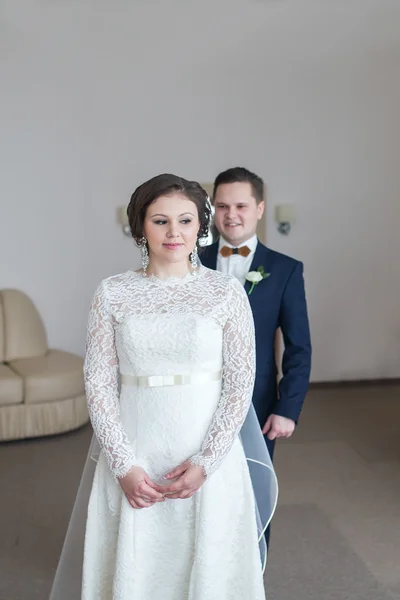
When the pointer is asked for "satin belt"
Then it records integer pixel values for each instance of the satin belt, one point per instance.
(164, 380)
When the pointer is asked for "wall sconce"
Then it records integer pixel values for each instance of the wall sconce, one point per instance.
(122, 219)
(285, 216)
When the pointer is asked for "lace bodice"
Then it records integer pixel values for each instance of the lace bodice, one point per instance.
(176, 314)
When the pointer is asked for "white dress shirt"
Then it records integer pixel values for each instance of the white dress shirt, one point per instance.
(236, 265)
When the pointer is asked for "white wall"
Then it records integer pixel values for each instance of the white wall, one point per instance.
(95, 100)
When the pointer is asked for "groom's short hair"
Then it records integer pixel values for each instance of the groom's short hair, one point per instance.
(241, 175)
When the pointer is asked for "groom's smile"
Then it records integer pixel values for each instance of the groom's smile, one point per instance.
(236, 212)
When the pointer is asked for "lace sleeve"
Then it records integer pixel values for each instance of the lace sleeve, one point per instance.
(237, 381)
(101, 383)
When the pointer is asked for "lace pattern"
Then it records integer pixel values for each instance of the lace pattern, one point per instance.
(101, 382)
(210, 295)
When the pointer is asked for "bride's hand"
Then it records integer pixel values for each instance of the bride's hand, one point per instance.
(139, 489)
(189, 478)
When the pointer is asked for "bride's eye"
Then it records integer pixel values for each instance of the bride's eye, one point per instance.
(186, 221)
(159, 222)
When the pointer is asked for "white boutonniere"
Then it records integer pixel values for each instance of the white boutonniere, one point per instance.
(256, 276)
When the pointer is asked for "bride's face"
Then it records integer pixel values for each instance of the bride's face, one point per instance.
(171, 227)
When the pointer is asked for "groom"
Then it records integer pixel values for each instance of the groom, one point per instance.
(277, 301)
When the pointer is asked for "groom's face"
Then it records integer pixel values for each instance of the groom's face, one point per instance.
(236, 212)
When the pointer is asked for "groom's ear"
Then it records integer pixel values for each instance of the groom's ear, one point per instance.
(260, 209)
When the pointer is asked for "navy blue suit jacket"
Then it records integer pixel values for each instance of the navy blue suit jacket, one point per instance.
(279, 301)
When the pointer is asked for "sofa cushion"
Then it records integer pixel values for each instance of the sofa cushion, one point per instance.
(55, 376)
(11, 386)
(25, 335)
(2, 333)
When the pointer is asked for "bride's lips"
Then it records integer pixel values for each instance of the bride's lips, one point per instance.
(172, 246)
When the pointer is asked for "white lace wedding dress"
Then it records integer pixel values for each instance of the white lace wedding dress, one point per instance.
(169, 376)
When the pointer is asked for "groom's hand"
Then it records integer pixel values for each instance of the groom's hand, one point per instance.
(278, 427)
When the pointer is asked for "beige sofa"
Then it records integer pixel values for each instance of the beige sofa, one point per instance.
(41, 390)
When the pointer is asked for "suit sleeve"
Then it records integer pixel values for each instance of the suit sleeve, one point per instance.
(296, 363)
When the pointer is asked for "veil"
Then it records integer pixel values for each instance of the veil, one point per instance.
(68, 577)
(263, 477)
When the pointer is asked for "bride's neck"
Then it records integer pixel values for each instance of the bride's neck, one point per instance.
(166, 270)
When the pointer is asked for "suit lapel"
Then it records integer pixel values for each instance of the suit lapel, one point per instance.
(261, 259)
(208, 256)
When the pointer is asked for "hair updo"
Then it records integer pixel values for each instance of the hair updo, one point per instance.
(164, 185)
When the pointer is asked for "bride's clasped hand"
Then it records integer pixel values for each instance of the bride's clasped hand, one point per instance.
(142, 492)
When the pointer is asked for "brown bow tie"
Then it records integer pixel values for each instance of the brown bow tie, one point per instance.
(243, 251)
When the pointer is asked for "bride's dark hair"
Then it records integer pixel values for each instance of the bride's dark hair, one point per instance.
(163, 185)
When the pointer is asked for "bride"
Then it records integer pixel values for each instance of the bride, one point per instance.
(172, 513)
